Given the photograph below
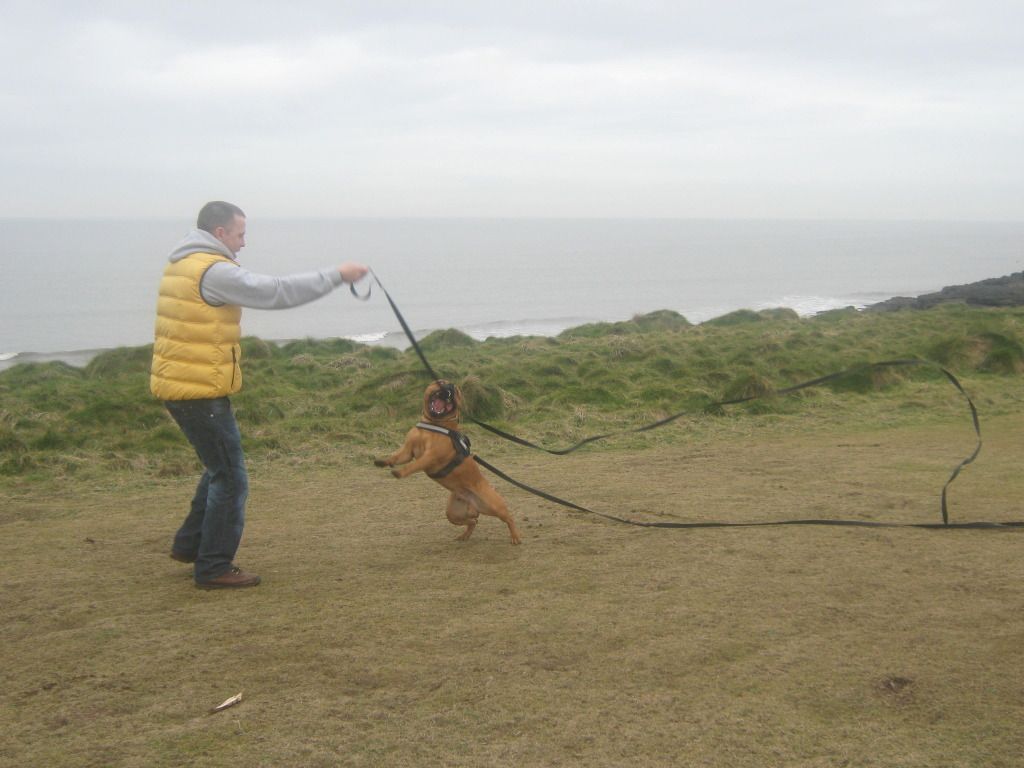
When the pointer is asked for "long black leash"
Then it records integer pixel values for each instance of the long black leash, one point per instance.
(713, 524)
(669, 419)
(786, 391)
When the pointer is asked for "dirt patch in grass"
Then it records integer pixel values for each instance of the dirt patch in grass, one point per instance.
(376, 639)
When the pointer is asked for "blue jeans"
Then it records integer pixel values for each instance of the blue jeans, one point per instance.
(212, 530)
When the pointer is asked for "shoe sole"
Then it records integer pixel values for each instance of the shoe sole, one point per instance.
(228, 586)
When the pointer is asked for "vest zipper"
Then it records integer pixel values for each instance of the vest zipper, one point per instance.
(234, 365)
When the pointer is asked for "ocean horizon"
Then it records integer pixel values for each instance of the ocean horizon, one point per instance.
(73, 288)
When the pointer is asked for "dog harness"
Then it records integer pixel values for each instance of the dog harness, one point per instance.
(459, 442)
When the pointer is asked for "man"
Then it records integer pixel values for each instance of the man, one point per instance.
(195, 368)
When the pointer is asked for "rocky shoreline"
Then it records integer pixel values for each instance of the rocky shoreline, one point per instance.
(1007, 291)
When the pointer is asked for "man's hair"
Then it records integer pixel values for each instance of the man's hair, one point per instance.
(218, 214)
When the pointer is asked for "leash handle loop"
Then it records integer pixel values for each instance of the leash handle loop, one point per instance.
(354, 292)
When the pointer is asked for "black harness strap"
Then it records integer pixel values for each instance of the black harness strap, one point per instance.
(459, 442)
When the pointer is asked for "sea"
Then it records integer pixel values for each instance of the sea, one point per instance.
(72, 288)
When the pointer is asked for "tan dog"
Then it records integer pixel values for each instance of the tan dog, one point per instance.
(436, 446)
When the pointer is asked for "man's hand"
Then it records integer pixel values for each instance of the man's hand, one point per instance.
(352, 272)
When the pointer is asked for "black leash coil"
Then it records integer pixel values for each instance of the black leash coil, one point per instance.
(786, 391)
(716, 524)
(945, 524)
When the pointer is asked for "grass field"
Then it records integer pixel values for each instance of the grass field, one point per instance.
(378, 640)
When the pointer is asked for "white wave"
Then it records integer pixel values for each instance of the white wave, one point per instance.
(806, 306)
(8, 355)
(503, 329)
(368, 338)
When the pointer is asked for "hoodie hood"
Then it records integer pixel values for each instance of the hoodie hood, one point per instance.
(199, 241)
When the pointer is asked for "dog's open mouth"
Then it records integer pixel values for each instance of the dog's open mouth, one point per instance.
(440, 407)
(442, 402)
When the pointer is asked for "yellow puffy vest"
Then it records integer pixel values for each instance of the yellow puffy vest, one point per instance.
(196, 352)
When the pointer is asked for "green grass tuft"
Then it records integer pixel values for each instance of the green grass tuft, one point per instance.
(738, 317)
(661, 320)
(118, 361)
(448, 338)
(482, 401)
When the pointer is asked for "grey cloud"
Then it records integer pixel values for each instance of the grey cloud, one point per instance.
(568, 108)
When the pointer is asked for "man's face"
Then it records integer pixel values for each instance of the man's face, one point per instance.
(233, 235)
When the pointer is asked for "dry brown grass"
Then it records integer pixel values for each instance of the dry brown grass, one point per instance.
(376, 639)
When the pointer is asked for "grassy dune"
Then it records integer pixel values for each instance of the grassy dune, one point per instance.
(376, 639)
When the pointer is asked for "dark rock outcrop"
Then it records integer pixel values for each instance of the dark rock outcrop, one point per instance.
(1005, 291)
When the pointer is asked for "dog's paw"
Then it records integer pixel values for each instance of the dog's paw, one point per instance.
(380, 463)
(396, 473)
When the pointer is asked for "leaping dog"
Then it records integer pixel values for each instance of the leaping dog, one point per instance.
(435, 446)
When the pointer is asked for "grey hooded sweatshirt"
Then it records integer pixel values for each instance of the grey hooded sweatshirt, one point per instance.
(229, 284)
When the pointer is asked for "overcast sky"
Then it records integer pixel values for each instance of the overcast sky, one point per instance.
(898, 110)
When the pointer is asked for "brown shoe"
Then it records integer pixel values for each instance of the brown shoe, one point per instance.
(181, 557)
(234, 578)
